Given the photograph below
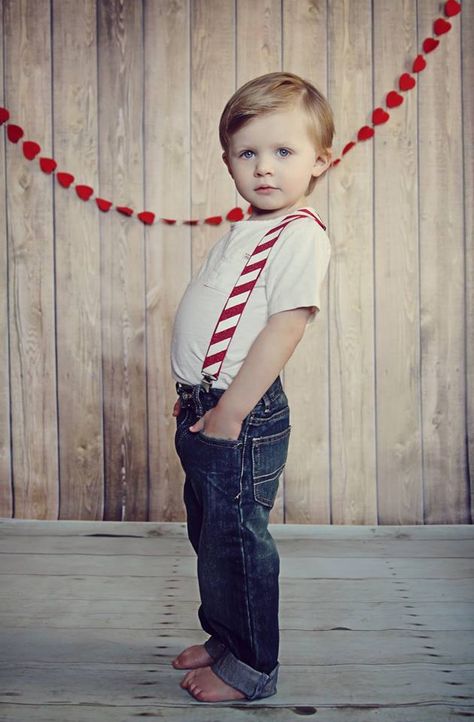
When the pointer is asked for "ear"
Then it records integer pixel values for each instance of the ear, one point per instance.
(322, 162)
(226, 161)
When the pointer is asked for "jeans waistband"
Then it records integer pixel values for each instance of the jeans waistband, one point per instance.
(188, 392)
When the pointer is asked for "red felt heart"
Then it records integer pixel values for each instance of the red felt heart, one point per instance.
(4, 115)
(84, 192)
(102, 204)
(379, 116)
(451, 7)
(430, 44)
(335, 162)
(406, 82)
(14, 132)
(394, 99)
(126, 211)
(65, 179)
(419, 64)
(235, 214)
(192, 222)
(169, 221)
(441, 26)
(365, 133)
(347, 147)
(47, 165)
(30, 149)
(146, 217)
(213, 220)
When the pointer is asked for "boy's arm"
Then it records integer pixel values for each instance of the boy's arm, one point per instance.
(267, 356)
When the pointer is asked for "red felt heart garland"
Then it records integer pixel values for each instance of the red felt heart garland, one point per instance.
(123, 209)
(65, 179)
(103, 204)
(14, 132)
(441, 26)
(146, 217)
(84, 192)
(365, 132)
(48, 165)
(406, 81)
(451, 8)
(30, 149)
(430, 44)
(419, 64)
(347, 148)
(235, 214)
(379, 116)
(393, 99)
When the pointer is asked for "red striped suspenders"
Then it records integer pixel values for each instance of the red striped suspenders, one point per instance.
(236, 302)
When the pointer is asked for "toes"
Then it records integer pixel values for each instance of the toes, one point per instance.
(187, 680)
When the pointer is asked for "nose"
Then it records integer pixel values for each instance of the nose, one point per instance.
(263, 166)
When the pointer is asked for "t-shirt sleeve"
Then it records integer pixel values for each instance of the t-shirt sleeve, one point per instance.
(296, 268)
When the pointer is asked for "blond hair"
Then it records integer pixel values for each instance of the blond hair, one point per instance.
(277, 91)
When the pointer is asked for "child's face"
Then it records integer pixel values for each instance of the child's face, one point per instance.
(272, 159)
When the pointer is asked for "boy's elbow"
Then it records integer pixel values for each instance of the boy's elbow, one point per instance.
(292, 323)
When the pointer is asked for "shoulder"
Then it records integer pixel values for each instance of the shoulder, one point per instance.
(308, 232)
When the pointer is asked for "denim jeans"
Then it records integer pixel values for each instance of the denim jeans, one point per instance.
(230, 487)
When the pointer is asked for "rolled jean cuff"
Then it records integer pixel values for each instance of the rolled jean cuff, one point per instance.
(214, 648)
(251, 682)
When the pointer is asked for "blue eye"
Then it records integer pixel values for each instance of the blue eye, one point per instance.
(284, 152)
(244, 154)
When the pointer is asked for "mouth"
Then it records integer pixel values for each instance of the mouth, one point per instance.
(265, 188)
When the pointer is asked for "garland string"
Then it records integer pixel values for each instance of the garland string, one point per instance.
(393, 99)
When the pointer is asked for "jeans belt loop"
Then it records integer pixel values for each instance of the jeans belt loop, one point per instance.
(267, 402)
(196, 395)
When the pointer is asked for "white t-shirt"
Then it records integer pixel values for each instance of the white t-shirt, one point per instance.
(292, 277)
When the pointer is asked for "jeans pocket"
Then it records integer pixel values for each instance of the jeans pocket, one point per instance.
(183, 420)
(269, 454)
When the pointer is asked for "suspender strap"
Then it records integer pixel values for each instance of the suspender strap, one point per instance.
(237, 300)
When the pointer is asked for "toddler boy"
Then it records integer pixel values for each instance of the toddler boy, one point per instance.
(232, 414)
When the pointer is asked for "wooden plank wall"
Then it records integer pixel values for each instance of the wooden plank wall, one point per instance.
(127, 97)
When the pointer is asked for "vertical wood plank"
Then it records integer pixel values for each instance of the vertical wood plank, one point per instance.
(353, 482)
(442, 279)
(307, 492)
(399, 464)
(212, 83)
(78, 262)
(6, 490)
(123, 260)
(258, 42)
(31, 263)
(261, 24)
(467, 70)
(168, 248)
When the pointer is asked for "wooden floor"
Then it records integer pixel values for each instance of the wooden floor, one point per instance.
(376, 624)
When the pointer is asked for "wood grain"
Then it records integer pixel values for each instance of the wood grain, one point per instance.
(307, 372)
(127, 97)
(351, 337)
(167, 143)
(363, 630)
(442, 319)
(120, 28)
(467, 69)
(31, 290)
(397, 270)
(78, 258)
(6, 481)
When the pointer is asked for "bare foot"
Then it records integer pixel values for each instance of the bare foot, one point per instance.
(192, 658)
(206, 686)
